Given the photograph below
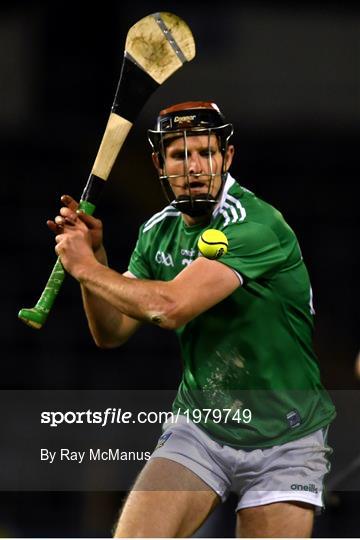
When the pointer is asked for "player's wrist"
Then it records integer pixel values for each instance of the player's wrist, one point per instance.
(100, 255)
(84, 270)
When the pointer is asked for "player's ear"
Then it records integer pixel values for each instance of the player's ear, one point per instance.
(229, 156)
(156, 161)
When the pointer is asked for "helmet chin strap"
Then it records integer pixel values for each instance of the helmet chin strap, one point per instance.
(198, 206)
(193, 205)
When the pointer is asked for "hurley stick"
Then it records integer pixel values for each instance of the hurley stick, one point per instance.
(155, 47)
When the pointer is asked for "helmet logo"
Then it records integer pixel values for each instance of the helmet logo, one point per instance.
(182, 119)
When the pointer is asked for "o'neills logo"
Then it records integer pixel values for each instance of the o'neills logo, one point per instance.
(188, 118)
(300, 487)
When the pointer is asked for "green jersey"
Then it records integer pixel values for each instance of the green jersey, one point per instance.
(251, 378)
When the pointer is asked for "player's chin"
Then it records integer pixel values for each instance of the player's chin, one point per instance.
(193, 194)
(199, 191)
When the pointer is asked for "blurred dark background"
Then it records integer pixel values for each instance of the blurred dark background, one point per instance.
(287, 75)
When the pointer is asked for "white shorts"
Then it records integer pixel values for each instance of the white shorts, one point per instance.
(288, 472)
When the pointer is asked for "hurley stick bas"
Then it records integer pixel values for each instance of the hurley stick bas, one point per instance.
(155, 47)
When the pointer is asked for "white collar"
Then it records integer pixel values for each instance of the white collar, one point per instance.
(229, 182)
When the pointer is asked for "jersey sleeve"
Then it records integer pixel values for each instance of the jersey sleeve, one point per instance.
(139, 264)
(254, 250)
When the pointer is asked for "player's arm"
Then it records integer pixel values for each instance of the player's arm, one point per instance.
(109, 327)
(168, 304)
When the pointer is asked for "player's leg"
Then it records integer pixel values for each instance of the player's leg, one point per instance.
(167, 500)
(279, 488)
(276, 520)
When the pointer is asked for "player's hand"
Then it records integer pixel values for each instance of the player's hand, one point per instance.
(74, 247)
(69, 214)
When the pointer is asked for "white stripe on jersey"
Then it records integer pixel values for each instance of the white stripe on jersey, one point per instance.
(226, 216)
(232, 212)
(166, 209)
(230, 207)
(160, 216)
(230, 198)
(235, 215)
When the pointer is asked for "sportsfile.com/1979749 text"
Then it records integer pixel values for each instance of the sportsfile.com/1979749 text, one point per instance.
(113, 415)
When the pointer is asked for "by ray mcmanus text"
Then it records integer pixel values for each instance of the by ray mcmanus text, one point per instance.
(92, 454)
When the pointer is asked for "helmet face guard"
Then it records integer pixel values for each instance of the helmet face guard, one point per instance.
(183, 121)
